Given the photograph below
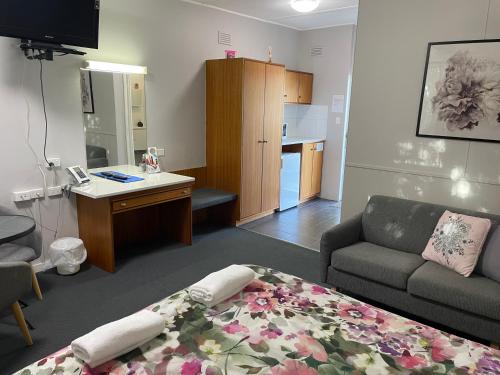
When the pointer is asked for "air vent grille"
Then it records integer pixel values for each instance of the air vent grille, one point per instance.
(317, 51)
(225, 38)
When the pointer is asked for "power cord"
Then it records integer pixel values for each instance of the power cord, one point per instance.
(45, 116)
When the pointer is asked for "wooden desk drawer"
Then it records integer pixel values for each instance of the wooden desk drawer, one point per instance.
(150, 199)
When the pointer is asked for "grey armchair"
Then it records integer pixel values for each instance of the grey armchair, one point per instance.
(15, 277)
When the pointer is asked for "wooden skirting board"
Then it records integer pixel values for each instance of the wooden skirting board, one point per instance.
(254, 217)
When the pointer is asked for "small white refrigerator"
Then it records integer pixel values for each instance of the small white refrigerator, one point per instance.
(290, 180)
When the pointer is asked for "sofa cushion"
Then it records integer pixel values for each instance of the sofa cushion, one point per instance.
(476, 294)
(489, 261)
(406, 225)
(11, 252)
(377, 263)
(457, 242)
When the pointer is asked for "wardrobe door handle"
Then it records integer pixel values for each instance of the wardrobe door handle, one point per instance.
(123, 204)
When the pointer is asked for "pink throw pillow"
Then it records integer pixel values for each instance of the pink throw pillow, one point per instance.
(457, 242)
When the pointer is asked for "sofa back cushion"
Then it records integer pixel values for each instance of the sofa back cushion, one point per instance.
(489, 262)
(406, 225)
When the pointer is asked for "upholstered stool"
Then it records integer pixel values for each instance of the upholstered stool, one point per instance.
(11, 252)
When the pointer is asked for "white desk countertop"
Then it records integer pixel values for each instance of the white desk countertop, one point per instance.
(298, 140)
(102, 188)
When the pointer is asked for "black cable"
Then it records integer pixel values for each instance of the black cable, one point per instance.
(45, 116)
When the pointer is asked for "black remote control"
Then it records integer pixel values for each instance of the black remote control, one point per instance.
(115, 175)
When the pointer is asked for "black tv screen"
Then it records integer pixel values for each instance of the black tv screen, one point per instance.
(71, 22)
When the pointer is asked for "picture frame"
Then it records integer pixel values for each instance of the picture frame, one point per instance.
(87, 91)
(460, 97)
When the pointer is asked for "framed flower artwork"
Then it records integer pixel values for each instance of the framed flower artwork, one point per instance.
(461, 91)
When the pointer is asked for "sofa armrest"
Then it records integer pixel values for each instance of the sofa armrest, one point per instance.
(342, 235)
(17, 275)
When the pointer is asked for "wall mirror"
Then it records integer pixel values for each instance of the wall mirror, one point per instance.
(114, 114)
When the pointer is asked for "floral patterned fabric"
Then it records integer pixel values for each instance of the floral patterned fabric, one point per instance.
(282, 325)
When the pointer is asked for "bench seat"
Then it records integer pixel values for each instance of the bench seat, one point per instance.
(208, 197)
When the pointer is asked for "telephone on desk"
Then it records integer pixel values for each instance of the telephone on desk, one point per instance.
(81, 177)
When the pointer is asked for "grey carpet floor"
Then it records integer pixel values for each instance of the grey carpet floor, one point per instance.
(75, 305)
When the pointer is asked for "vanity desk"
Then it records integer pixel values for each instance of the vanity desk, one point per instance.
(113, 214)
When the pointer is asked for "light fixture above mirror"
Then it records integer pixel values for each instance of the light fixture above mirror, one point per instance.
(304, 6)
(101, 66)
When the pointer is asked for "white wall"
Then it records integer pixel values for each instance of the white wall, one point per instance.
(18, 166)
(384, 155)
(331, 76)
(173, 39)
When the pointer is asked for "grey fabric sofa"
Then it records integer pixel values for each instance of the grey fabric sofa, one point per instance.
(377, 255)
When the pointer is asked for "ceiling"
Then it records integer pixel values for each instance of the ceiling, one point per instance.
(329, 13)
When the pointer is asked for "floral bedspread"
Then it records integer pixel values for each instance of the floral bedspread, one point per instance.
(282, 325)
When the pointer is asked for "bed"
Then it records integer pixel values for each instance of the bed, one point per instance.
(283, 325)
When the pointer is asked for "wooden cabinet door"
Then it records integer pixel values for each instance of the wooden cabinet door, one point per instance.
(306, 171)
(305, 88)
(254, 85)
(317, 168)
(273, 120)
(292, 87)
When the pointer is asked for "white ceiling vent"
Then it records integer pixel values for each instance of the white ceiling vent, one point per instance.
(317, 51)
(224, 38)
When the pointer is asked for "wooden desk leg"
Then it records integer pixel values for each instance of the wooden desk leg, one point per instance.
(177, 219)
(95, 224)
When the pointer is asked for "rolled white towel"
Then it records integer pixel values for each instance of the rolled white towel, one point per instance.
(221, 285)
(117, 338)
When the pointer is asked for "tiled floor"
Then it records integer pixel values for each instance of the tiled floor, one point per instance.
(302, 225)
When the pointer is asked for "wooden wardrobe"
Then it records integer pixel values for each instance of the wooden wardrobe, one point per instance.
(244, 106)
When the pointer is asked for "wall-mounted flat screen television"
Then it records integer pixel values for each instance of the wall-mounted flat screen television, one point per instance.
(69, 22)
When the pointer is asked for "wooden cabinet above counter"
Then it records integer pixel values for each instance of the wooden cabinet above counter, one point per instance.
(298, 87)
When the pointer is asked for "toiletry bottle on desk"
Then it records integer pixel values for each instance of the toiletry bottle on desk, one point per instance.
(152, 164)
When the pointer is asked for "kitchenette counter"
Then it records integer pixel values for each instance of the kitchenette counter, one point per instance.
(300, 140)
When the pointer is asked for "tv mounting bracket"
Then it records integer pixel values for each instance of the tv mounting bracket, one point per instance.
(45, 51)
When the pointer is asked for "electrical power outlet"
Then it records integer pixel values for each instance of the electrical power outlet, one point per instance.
(56, 162)
(37, 194)
(160, 151)
(27, 195)
(21, 196)
(53, 191)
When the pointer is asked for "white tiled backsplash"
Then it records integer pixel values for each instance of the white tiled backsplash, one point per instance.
(306, 120)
